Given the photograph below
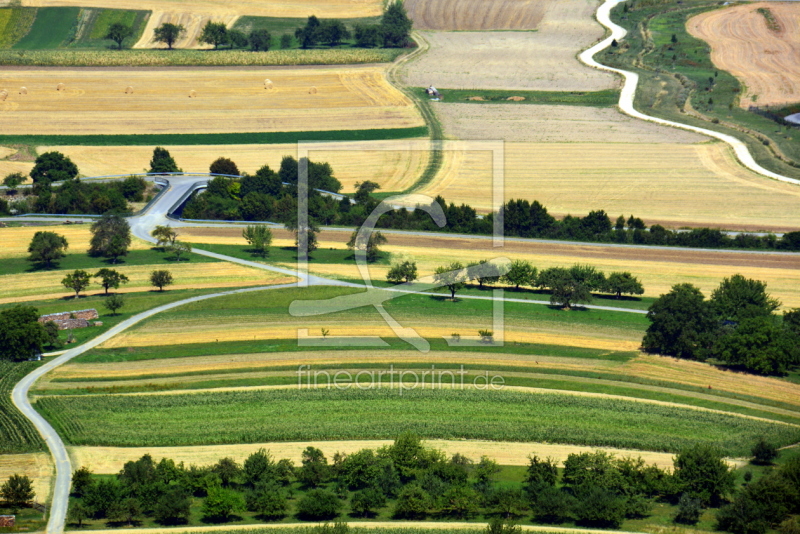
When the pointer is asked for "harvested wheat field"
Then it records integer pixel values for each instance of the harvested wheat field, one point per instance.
(471, 15)
(552, 124)
(695, 185)
(264, 8)
(39, 285)
(192, 21)
(16, 240)
(764, 58)
(542, 60)
(38, 466)
(109, 460)
(389, 163)
(227, 100)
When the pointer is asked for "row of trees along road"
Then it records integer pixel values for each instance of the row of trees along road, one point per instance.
(411, 481)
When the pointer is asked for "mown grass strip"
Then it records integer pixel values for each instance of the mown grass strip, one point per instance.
(52, 27)
(248, 138)
(605, 98)
(186, 58)
(331, 414)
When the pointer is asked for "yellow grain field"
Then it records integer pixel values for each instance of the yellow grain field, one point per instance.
(41, 285)
(387, 163)
(109, 460)
(193, 22)
(38, 466)
(227, 100)
(264, 8)
(675, 185)
(763, 58)
(15, 241)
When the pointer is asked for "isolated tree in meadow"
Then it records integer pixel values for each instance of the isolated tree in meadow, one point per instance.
(623, 282)
(405, 271)
(565, 289)
(118, 32)
(224, 166)
(259, 237)
(17, 491)
(110, 279)
(260, 40)
(53, 167)
(214, 33)
(162, 162)
(169, 33)
(368, 246)
(178, 248)
(764, 452)
(111, 237)
(21, 334)
(47, 247)
(520, 273)
(489, 273)
(13, 180)
(451, 276)
(304, 233)
(114, 302)
(77, 281)
(165, 235)
(161, 279)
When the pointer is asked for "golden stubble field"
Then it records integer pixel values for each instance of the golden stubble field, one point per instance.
(276, 99)
(38, 466)
(764, 59)
(541, 60)
(395, 165)
(467, 15)
(264, 8)
(193, 22)
(670, 184)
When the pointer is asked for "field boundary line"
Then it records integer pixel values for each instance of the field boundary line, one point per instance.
(631, 83)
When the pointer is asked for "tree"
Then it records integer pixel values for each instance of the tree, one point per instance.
(79, 512)
(368, 247)
(551, 505)
(367, 35)
(224, 166)
(520, 273)
(162, 162)
(565, 289)
(541, 472)
(689, 510)
(680, 323)
(308, 35)
(366, 501)
(738, 298)
(114, 302)
(21, 334)
(77, 281)
(161, 279)
(318, 504)
(623, 282)
(180, 247)
(165, 236)
(489, 273)
(118, 32)
(81, 480)
(214, 33)
(598, 507)
(258, 468)
(111, 237)
(13, 180)
(460, 501)
(760, 345)
(237, 39)
(413, 502)
(405, 271)
(315, 469)
(268, 500)
(259, 39)
(701, 471)
(228, 470)
(395, 25)
(222, 503)
(174, 507)
(17, 491)
(128, 510)
(304, 234)
(169, 33)
(110, 279)
(364, 190)
(259, 237)
(286, 41)
(333, 32)
(53, 167)
(764, 452)
(46, 247)
(265, 181)
(451, 276)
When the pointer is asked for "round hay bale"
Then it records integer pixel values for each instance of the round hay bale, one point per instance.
(268, 85)
(312, 91)
(3, 96)
(23, 91)
(192, 94)
(129, 90)
(60, 87)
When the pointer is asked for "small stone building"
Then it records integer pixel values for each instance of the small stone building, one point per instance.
(73, 319)
(7, 520)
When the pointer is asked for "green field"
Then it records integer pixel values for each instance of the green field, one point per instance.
(278, 26)
(95, 24)
(255, 138)
(18, 434)
(330, 414)
(53, 27)
(15, 23)
(608, 97)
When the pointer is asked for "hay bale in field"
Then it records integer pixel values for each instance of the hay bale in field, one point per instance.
(516, 98)
(312, 91)
(60, 87)
(3, 95)
(192, 94)
(23, 90)
(129, 90)
(268, 84)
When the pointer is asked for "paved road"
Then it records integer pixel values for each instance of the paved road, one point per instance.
(629, 93)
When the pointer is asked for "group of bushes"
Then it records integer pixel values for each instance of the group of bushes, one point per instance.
(410, 481)
(737, 326)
